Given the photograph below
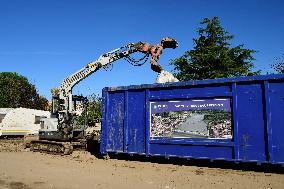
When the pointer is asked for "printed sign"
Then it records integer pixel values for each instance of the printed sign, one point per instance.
(199, 118)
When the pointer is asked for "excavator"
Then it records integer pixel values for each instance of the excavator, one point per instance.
(58, 134)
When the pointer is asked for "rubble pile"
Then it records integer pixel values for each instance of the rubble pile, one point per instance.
(11, 144)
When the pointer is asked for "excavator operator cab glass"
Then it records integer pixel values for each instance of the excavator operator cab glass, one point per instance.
(79, 103)
(55, 105)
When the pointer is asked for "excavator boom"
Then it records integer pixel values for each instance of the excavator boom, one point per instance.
(64, 103)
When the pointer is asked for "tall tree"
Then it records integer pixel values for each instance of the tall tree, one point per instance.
(213, 56)
(16, 91)
(278, 66)
(94, 109)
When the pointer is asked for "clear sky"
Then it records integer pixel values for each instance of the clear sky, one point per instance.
(47, 40)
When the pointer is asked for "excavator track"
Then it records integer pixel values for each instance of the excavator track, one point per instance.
(51, 147)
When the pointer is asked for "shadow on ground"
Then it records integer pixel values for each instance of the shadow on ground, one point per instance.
(94, 149)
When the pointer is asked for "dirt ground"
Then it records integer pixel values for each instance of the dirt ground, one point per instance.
(22, 169)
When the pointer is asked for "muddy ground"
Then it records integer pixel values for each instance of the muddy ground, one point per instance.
(22, 169)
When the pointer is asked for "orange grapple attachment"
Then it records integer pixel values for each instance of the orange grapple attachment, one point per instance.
(169, 42)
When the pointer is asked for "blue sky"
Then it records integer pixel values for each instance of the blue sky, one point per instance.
(47, 40)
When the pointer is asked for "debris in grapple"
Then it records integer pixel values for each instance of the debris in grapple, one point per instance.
(165, 77)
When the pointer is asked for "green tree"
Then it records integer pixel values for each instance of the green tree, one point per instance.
(278, 66)
(54, 91)
(42, 103)
(93, 111)
(16, 91)
(213, 56)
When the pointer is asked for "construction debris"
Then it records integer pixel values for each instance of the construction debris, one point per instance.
(165, 77)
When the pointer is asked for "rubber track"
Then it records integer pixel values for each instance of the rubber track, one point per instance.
(51, 147)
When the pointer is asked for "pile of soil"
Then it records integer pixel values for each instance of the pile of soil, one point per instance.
(12, 144)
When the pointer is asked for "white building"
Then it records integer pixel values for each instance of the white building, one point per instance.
(20, 121)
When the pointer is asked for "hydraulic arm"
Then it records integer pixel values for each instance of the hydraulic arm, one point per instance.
(66, 111)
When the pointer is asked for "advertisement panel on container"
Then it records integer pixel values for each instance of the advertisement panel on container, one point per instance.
(197, 118)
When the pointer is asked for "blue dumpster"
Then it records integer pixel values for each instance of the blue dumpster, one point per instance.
(234, 119)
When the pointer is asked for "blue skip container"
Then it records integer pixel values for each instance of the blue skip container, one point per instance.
(235, 119)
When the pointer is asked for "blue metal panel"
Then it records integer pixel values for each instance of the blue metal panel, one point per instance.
(200, 92)
(193, 141)
(115, 121)
(275, 116)
(235, 122)
(188, 151)
(104, 122)
(251, 141)
(135, 128)
(198, 83)
(147, 129)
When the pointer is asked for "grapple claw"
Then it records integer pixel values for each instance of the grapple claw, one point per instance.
(169, 42)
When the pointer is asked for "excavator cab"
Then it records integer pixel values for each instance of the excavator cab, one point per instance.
(50, 130)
